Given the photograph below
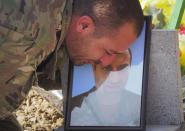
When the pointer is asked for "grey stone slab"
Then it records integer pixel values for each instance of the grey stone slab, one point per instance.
(183, 81)
(164, 98)
(162, 127)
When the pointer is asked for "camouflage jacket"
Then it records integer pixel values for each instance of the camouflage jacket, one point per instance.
(28, 37)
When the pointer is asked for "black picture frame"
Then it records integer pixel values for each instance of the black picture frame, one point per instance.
(67, 126)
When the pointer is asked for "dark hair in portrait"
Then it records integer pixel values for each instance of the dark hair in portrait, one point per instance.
(109, 15)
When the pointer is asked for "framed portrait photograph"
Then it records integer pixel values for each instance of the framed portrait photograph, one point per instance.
(111, 98)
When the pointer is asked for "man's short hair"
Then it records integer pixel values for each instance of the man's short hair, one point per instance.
(109, 15)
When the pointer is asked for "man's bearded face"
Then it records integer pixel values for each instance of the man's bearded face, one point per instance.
(121, 62)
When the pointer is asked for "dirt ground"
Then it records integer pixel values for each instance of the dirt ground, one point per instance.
(40, 111)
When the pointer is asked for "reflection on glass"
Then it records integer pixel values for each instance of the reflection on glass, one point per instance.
(108, 103)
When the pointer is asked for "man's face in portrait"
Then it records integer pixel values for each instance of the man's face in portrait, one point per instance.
(85, 48)
(114, 75)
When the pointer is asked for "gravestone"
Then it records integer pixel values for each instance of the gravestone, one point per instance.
(164, 98)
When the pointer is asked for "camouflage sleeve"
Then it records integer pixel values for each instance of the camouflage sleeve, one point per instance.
(52, 73)
(27, 37)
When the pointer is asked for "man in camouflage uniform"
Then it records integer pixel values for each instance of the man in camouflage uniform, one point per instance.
(31, 37)
(27, 36)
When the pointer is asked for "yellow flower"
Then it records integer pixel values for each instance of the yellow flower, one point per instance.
(159, 3)
(144, 3)
(167, 11)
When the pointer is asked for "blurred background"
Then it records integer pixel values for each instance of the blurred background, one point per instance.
(161, 11)
(164, 13)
